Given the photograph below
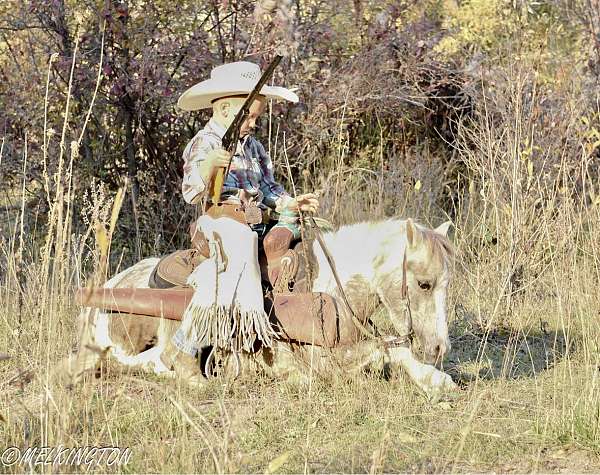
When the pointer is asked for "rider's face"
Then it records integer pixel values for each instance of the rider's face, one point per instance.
(256, 110)
(227, 109)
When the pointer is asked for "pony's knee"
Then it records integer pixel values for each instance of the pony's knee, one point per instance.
(72, 369)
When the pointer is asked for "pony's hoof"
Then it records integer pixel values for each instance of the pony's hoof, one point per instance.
(448, 384)
(438, 383)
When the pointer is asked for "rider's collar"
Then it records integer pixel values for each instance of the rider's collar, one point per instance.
(217, 128)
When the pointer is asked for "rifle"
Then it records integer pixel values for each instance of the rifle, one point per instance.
(232, 135)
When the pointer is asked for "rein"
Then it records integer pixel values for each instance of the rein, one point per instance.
(401, 341)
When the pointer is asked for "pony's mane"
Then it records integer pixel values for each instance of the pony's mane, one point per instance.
(440, 246)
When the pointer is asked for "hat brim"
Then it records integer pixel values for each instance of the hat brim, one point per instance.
(204, 93)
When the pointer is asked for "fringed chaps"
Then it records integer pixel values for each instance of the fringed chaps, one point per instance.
(227, 309)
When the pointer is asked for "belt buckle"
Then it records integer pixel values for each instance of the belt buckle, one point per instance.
(253, 214)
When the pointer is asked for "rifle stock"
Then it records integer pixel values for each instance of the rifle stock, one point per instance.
(218, 181)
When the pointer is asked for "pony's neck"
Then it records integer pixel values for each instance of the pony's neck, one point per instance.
(355, 250)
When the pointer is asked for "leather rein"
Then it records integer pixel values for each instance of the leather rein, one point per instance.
(403, 341)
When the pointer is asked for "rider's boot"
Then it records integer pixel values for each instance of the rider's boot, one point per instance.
(281, 264)
(186, 366)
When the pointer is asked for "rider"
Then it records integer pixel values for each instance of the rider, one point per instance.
(250, 191)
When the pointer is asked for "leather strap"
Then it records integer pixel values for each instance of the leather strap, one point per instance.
(338, 282)
(405, 299)
(234, 211)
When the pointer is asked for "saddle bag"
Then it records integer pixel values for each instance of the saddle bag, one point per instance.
(302, 317)
(310, 318)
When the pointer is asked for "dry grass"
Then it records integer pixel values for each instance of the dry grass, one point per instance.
(523, 407)
(524, 312)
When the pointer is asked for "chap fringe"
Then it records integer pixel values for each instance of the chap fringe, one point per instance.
(230, 328)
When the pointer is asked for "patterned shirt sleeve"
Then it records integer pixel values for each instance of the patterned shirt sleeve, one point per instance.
(274, 194)
(193, 186)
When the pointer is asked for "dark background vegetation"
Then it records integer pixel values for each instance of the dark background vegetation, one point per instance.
(384, 87)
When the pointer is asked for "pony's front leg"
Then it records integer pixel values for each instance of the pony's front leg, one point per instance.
(427, 377)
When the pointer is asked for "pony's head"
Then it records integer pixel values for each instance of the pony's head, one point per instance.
(428, 255)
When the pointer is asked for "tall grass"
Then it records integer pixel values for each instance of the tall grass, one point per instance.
(524, 312)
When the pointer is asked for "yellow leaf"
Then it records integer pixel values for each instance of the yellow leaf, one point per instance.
(101, 238)
(116, 208)
(418, 185)
(277, 462)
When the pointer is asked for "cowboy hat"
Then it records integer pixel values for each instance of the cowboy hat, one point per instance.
(229, 80)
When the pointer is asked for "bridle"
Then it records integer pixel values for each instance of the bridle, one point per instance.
(402, 341)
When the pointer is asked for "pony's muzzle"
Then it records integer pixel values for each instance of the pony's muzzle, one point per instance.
(436, 355)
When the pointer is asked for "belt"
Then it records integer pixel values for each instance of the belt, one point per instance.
(235, 211)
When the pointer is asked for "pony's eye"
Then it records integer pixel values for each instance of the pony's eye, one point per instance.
(424, 285)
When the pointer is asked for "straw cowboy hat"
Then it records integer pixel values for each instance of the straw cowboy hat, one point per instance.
(229, 80)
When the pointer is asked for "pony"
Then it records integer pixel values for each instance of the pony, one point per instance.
(380, 263)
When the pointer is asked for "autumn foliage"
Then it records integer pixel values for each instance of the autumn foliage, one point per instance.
(385, 88)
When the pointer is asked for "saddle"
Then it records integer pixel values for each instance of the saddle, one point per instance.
(174, 269)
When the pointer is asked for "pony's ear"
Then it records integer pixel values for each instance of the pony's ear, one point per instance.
(443, 228)
(413, 235)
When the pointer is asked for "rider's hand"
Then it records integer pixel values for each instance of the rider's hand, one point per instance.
(217, 158)
(307, 203)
